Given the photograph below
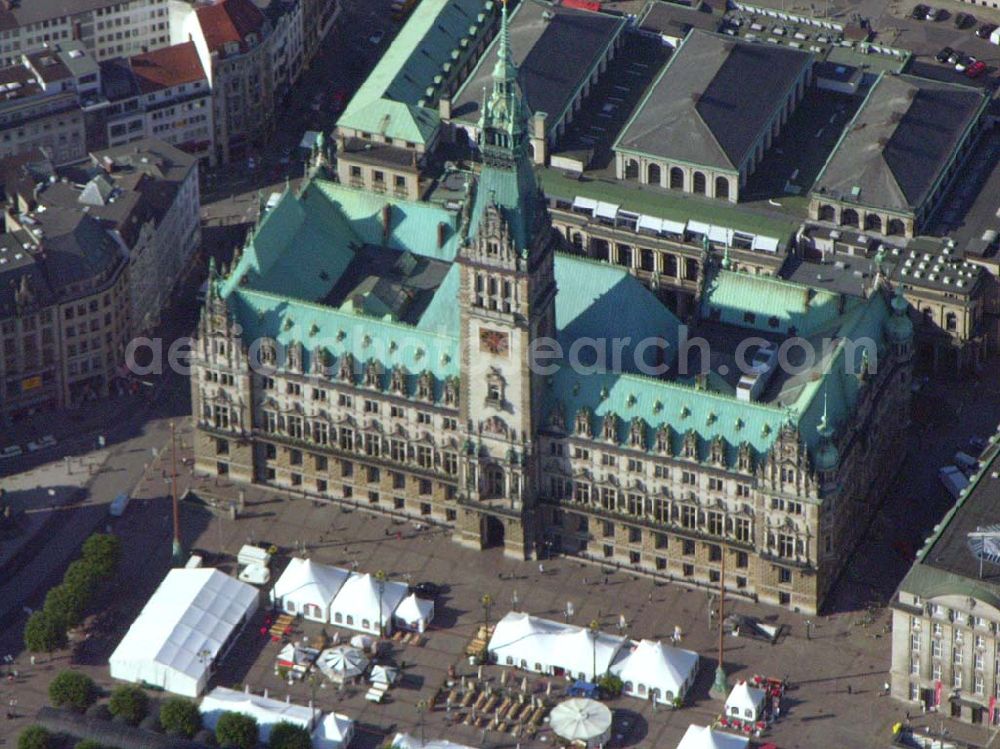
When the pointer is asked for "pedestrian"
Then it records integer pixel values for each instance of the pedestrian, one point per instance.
(850, 689)
(650, 596)
(541, 568)
(585, 581)
(885, 687)
(605, 579)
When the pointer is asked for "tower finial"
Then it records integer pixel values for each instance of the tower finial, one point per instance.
(824, 424)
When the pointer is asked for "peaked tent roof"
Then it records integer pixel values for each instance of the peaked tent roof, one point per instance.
(703, 737)
(655, 664)
(305, 579)
(267, 711)
(413, 608)
(360, 595)
(745, 697)
(536, 640)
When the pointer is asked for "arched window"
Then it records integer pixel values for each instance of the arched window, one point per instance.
(676, 178)
(365, 624)
(827, 213)
(873, 222)
(699, 183)
(338, 618)
(350, 620)
(653, 174)
(896, 227)
(849, 217)
(722, 187)
(631, 169)
(290, 607)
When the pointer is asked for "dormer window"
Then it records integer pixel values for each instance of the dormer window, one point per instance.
(232, 48)
(495, 387)
(493, 249)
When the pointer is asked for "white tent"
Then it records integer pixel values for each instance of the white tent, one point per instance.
(745, 702)
(342, 663)
(549, 647)
(414, 613)
(185, 626)
(267, 711)
(405, 741)
(652, 668)
(356, 606)
(383, 675)
(308, 588)
(581, 720)
(703, 737)
(333, 732)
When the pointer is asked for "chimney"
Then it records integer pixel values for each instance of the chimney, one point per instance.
(386, 222)
(442, 233)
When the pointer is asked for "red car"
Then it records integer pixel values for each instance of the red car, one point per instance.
(976, 69)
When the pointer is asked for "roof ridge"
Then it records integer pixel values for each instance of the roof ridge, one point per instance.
(763, 408)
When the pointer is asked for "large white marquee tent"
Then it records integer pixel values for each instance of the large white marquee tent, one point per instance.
(549, 647)
(188, 622)
(652, 668)
(356, 606)
(267, 711)
(406, 741)
(308, 588)
(703, 737)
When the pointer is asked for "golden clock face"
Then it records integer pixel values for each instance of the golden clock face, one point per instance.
(493, 341)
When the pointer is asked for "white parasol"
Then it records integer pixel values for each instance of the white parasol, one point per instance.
(342, 662)
(583, 720)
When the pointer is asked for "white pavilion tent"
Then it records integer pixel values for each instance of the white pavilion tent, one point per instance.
(550, 647)
(267, 711)
(189, 622)
(745, 702)
(308, 588)
(334, 731)
(414, 613)
(583, 721)
(356, 606)
(652, 668)
(703, 737)
(342, 663)
(406, 741)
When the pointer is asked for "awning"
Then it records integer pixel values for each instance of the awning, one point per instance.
(698, 228)
(720, 234)
(673, 227)
(650, 223)
(606, 210)
(766, 244)
(584, 204)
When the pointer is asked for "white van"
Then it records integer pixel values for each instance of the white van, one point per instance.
(953, 479)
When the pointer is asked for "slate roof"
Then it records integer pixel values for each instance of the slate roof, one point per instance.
(392, 98)
(945, 566)
(712, 100)
(675, 20)
(899, 142)
(555, 50)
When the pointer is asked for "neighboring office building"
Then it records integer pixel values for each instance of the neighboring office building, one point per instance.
(711, 115)
(560, 53)
(64, 310)
(163, 94)
(287, 45)
(898, 155)
(232, 39)
(105, 28)
(42, 101)
(946, 611)
(670, 22)
(318, 17)
(396, 376)
(393, 123)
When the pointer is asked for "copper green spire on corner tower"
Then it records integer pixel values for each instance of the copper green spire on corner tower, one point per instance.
(503, 125)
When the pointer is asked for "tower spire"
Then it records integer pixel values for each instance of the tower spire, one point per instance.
(504, 70)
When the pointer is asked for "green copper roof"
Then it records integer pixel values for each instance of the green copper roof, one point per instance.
(393, 100)
(774, 305)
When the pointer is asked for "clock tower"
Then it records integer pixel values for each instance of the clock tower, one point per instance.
(506, 301)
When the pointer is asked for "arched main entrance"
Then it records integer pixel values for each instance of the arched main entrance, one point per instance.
(491, 530)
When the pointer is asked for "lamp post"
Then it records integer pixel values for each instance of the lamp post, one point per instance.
(380, 579)
(486, 601)
(421, 709)
(177, 549)
(514, 601)
(720, 687)
(595, 628)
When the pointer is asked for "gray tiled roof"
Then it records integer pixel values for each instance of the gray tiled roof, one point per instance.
(712, 100)
(899, 142)
(554, 49)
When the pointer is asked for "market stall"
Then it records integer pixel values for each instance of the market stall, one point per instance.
(414, 613)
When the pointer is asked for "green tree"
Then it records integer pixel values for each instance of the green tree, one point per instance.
(104, 551)
(237, 731)
(82, 577)
(34, 737)
(43, 634)
(72, 689)
(129, 702)
(287, 735)
(65, 604)
(180, 716)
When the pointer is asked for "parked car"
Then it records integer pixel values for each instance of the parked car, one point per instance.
(955, 56)
(976, 69)
(984, 31)
(934, 14)
(920, 12)
(427, 590)
(47, 441)
(964, 20)
(376, 37)
(964, 62)
(11, 451)
(944, 54)
(976, 445)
